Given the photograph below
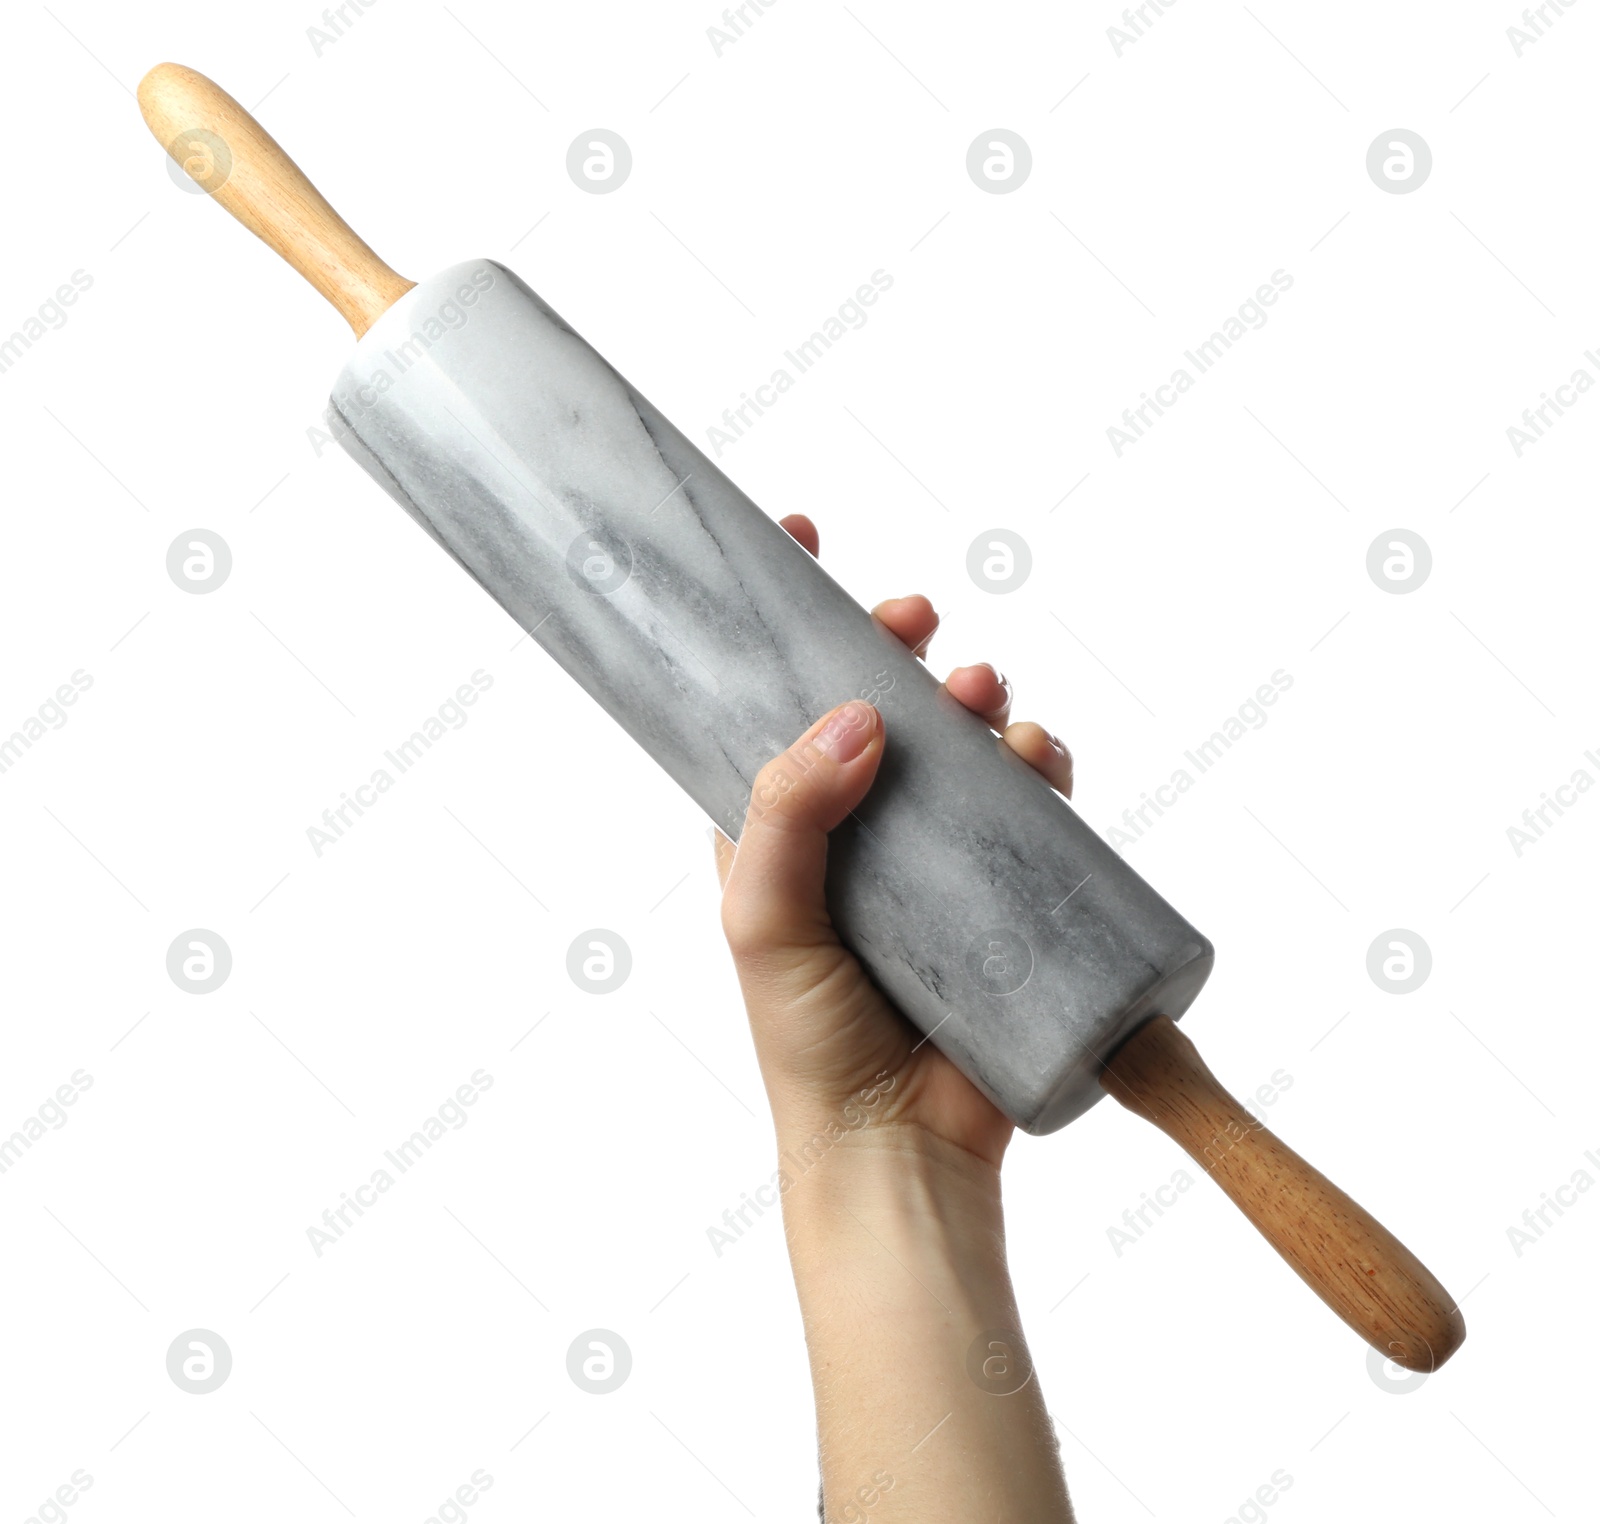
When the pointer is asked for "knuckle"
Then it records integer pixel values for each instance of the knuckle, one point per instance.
(746, 928)
(777, 786)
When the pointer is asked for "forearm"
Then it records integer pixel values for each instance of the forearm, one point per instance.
(927, 1406)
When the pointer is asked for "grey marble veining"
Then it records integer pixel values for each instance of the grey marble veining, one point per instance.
(988, 911)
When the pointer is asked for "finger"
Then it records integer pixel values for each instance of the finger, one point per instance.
(722, 849)
(1042, 752)
(912, 619)
(802, 529)
(984, 691)
(774, 900)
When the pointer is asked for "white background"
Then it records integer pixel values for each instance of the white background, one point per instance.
(1230, 542)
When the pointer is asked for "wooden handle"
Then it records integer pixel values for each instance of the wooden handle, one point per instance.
(226, 151)
(1354, 1263)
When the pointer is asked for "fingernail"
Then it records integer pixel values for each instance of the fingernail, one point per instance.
(847, 732)
(1000, 678)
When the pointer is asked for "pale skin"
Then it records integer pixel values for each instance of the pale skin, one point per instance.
(892, 1207)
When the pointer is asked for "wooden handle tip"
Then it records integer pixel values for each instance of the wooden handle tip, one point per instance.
(236, 162)
(1359, 1268)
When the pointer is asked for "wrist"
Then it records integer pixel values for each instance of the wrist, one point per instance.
(897, 1241)
(862, 1151)
(894, 1186)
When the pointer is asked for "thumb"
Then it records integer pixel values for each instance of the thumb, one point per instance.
(774, 898)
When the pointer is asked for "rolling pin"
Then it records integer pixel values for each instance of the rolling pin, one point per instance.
(1001, 924)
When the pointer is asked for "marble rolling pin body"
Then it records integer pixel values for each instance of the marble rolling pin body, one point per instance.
(998, 921)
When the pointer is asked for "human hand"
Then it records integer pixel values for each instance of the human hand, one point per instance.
(826, 1038)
